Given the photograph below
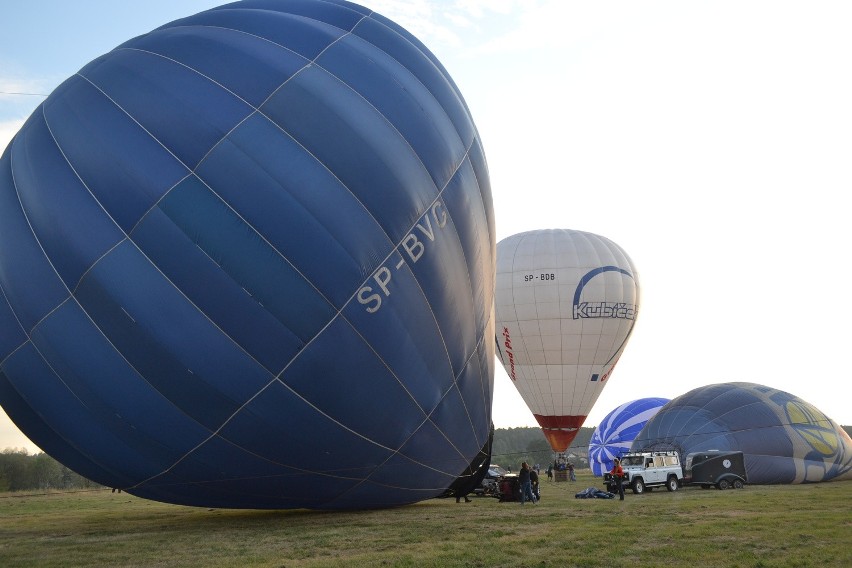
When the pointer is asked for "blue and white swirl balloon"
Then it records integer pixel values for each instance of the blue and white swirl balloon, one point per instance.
(618, 430)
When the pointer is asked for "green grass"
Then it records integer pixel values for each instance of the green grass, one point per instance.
(759, 526)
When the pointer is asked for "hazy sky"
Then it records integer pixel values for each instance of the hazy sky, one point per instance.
(711, 140)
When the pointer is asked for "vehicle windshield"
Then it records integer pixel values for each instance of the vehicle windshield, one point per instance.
(632, 460)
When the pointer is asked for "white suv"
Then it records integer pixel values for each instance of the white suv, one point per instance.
(648, 470)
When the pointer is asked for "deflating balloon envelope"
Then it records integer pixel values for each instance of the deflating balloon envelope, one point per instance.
(246, 260)
(566, 302)
(784, 439)
(616, 432)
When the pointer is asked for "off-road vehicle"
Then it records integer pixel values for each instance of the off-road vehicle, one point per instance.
(646, 470)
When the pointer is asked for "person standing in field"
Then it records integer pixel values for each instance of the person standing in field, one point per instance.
(617, 475)
(534, 484)
(525, 483)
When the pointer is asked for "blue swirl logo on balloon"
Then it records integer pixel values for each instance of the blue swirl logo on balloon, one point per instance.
(601, 309)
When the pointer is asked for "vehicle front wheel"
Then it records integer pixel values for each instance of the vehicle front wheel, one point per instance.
(723, 484)
(671, 484)
(638, 486)
(738, 484)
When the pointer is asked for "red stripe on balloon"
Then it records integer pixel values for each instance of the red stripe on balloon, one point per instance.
(560, 431)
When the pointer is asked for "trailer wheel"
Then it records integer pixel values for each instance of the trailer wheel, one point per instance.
(671, 484)
(638, 486)
(723, 484)
(738, 484)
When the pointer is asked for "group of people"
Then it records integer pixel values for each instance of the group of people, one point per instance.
(561, 466)
(529, 485)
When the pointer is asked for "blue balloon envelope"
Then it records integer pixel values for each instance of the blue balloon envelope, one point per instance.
(617, 430)
(783, 438)
(246, 260)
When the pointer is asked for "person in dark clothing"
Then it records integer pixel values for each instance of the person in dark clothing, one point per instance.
(525, 483)
(534, 484)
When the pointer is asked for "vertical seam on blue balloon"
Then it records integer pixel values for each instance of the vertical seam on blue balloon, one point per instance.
(130, 240)
(25, 332)
(317, 409)
(17, 319)
(278, 375)
(256, 110)
(458, 166)
(215, 434)
(339, 312)
(127, 238)
(486, 383)
(342, 316)
(446, 351)
(165, 194)
(47, 258)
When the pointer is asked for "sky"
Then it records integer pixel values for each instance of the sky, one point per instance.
(710, 140)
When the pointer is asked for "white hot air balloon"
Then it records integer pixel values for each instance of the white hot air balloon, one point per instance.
(566, 302)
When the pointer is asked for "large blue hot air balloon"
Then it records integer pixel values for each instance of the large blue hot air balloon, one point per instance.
(783, 438)
(617, 430)
(247, 260)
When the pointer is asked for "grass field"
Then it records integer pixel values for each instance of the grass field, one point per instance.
(759, 526)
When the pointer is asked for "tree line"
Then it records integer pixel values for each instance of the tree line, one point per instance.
(22, 471)
(511, 446)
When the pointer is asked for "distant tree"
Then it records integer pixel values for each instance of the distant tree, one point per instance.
(511, 445)
(46, 472)
(15, 470)
(539, 452)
